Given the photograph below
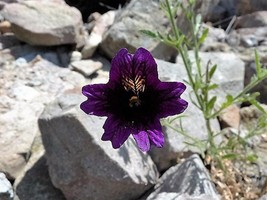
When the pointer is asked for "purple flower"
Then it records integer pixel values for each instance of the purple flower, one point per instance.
(134, 100)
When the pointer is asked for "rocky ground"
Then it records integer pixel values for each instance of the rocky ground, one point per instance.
(50, 150)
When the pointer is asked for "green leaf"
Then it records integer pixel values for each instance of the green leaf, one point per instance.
(229, 101)
(230, 156)
(149, 33)
(204, 35)
(212, 86)
(211, 103)
(252, 158)
(258, 65)
(212, 71)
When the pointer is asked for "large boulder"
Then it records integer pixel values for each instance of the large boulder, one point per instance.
(45, 23)
(129, 21)
(84, 167)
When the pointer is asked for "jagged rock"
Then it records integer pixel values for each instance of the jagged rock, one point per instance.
(34, 183)
(95, 38)
(229, 76)
(189, 177)
(26, 88)
(178, 196)
(125, 30)
(86, 67)
(256, 19)
(230, 117)
(7, 41)
(45, 23)
(6, 190)
(84, 167)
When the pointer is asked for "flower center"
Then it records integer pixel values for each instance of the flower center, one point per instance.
(136, 86)
(134, 101)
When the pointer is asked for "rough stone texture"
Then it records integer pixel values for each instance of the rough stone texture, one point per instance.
(86, 67)
(6, 190)
(229, 77)
(45, 23)
(34, 182)
(249, 6)
(83, 166)
(125, 30)
(25, 89)
(178, 196)
(263, 197)
(256, 19)
(102, 23)
(230, 117)
(7, 41)
(189, 177)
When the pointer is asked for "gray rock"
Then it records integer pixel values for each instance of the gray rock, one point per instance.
(45, 23)
(84, 167)
(189, 177)
(125, 30)
(256, 19)
(6, 190)
(7, 41)
(178, 196)
(26, 89)
(102, 23)
(86, 67)
(263, 197)
(34, 183)
(229, 77)
(249, 41)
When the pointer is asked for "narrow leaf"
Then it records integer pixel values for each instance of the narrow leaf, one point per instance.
(204, 35)
(212, 70)
(149, 33)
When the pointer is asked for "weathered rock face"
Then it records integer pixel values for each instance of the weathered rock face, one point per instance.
(25, 89)
(34, 183)
(190, 177)
(125, 30)
(6, 190)
(229, 77)
(256, 19)
(101, 25)
(84, 167)
(45, 23)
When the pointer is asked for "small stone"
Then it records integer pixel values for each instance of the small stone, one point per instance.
(5, 27)
(75, 56)
(6, 191)
(86, 67)
(230, 117)
(95, 38)
(249, 41)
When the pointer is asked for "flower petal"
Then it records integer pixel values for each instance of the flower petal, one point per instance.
(170, 100)
(134, 68)
(115, 131)
(97, 100)
(142, 140)
(120, 64)
(145, 65)
(155, 134)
